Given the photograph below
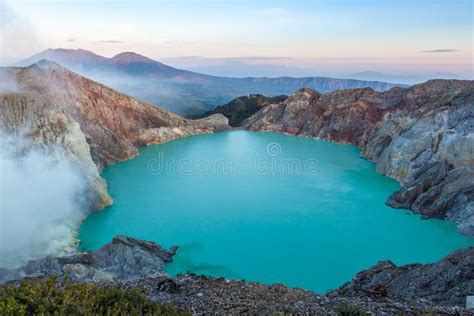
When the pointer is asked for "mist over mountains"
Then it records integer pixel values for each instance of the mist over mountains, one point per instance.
(406, 79)
(293, 67)
(184, 92)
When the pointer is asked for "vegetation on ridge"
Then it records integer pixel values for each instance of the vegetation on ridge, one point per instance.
(47, 296)
(243, 107)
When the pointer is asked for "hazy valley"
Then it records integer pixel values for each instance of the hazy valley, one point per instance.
(183, 92)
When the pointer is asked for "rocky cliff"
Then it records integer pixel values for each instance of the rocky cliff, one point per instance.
(96, 126)
(382, 290)
(422, 136)
(35, 123)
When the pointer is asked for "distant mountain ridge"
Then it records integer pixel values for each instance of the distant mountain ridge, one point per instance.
(181, 91)
(129, 62)
(406, 79)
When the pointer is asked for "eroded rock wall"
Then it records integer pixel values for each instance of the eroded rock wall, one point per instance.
(32, 122)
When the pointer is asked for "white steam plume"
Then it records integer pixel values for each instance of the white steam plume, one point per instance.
(7, 82)
(40, 206)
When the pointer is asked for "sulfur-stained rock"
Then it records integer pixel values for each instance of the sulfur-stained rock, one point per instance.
(36, 123)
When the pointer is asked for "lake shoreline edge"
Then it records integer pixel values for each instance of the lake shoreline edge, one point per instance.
(128, 140)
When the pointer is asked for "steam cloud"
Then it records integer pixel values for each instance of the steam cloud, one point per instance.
(7, 82)
(40, 205)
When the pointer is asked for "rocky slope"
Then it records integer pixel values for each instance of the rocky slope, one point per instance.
(124, 259)
(183, 92)
(241, 108)
(446, 282)
(422, 136)
(33, 122)
(378, 290)
(90, 121)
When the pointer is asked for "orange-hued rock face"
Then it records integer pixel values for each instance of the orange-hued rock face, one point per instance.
(111, 121)
(108, 126)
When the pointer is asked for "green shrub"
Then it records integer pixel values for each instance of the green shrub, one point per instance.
(48, 297)
(345, 308)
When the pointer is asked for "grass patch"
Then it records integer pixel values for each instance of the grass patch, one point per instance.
(347, 309)
(47, 296)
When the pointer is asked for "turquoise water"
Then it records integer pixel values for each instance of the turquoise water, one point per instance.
(237, 210)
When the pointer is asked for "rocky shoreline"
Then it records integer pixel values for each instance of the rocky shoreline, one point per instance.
(423, 136)
(382, 289)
